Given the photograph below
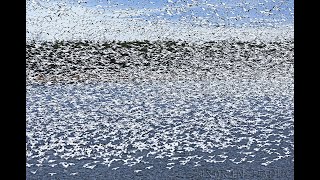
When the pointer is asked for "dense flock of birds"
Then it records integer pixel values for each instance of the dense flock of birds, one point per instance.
(159, 92)
(72, 62)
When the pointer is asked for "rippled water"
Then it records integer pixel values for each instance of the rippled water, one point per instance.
(162, 130)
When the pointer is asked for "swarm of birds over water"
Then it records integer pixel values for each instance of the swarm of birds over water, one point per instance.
(122, 89)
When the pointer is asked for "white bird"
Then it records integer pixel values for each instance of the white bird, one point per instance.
(170, 164)
(149, 167)
(64, 164)
(266, 163)
(52, 165)
(51, 174)
(209, 160)
(79, 158)
(34, 172)
(170, 167)
(215, 161)
(237, 162)
(115, 168)
(132, 163)
(88, 166)
(197, 163)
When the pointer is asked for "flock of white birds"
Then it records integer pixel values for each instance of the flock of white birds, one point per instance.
(115, 92)
(179, 123)
(191, 20)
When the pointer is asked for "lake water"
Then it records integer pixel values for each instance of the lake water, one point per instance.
(162, 130)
